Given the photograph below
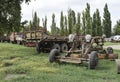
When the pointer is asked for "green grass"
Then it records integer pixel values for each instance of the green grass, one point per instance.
(17, 59)
(110, 43)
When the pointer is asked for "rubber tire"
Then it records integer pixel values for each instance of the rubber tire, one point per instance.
(18, 42)
(38, 48)
(53, 54)
(64, 47)
(93, 60)
(56, 46)
(110, 50)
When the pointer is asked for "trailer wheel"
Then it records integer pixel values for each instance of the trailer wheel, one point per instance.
(93, 60)
(109, 50)
(18, 42)
(38, 48)
(56, 46)
(53, 54)
(64, 47)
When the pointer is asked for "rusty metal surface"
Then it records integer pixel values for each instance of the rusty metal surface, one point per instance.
(113, 56)
(70, 60)
(102, 56)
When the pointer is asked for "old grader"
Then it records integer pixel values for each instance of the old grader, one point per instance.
(91, 50)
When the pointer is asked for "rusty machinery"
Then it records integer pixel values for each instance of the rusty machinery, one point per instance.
(91, 51)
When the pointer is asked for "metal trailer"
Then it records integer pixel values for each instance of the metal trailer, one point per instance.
(45, 42)
(32, 38)
(89, 52)
(48, 43)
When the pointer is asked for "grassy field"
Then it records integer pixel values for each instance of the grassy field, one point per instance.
(110, 43)
(23, 64)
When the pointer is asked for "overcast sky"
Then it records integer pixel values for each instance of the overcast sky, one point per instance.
(48, 7)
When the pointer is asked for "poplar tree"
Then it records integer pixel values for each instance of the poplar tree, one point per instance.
(78, 24)
(34, 24)
(62, 24)
(83, 23)
(71, 21)
(117, 28)
(70, 27)
(65, 25)
(53, 26)
(88, 20)
(94, 27)
(45, 23)
(106, 22)
(98, 24)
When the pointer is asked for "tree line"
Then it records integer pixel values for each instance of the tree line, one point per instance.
(83, 23)
(80, 23)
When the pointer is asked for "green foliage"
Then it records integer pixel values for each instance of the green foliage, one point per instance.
(10, 15)
(78, 24)
(62, 24)
(94, 32)
(89, 25)
(35, 22)
(45, 22)
(53, 26)
(96, 24)
(30, 25)
(117, 28)
(71, 21)
(77, 27)
(106, 22)
(73, 17)
(88, 20)
(70, 26)
(83, 23)
(66, 25)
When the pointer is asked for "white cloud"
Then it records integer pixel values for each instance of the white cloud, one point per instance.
(48, 7)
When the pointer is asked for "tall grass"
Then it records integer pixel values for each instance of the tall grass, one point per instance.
(17, 59)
